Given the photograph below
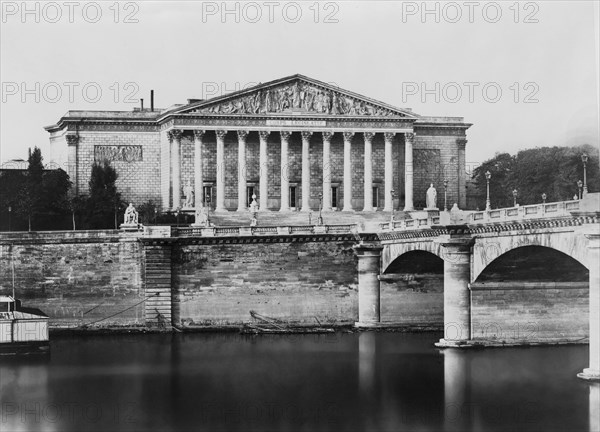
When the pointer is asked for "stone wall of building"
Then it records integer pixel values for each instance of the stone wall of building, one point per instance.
(299, 282)
(76, 277)
(138, 180)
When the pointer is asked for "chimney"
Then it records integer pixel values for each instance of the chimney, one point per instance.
(142, 104)
(151, 100)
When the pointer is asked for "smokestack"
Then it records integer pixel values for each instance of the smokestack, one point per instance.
(151, 100)
(142, 103)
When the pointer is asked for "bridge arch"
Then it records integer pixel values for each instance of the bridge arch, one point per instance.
(488, 249)
(534, 263)
(391, 252)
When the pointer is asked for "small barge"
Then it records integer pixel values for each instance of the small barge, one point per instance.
(22, 330)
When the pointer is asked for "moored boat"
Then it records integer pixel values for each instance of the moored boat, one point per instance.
(22, 330)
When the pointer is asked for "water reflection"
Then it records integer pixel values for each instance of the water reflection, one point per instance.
(367, 381)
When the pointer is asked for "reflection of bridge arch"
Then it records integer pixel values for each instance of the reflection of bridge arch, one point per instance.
(488, 249)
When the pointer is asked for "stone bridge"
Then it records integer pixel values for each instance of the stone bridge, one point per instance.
(511, 276)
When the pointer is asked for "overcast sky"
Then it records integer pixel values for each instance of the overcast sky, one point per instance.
(541, 56)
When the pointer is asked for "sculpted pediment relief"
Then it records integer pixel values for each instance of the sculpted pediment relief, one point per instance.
(296, 97)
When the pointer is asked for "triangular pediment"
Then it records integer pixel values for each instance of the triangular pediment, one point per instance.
(295, 95)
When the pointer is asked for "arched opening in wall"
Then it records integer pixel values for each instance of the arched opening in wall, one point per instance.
(531, 294)
(412, 290)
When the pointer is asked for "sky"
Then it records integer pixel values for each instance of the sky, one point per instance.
(525, 74)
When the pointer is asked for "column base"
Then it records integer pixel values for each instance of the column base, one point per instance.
(306, 209)
(221, 210)
(345, 209)
(285, 209)
(589, 374)
(409, 209)
(367, 324)
(368, 209)
(242, 209)
(451, 343)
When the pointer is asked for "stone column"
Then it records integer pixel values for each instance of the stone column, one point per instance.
(263, 182)
(220, 200)
(175, 140)
(242, 134)
(348, 171)
(456, 253)
(306, 170)
(593, 258)
(285, 179)
(389, 172)
(198, 173)
(368, 177)
(408, 171)
(327, 170)
(72, 142)
(369, 256)
(462, 179)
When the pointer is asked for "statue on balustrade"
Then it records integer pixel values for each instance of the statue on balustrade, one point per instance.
(131, 216)
(188, 192)
(431, 199)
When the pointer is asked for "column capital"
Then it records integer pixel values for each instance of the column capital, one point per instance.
(306, 135)
(242, 134)
(264, 134)
(72, 140)
(327, 136)
(285, 135)
(175, 134)
(348, 135)
(221, 134)
(369, 136)
(198, 134)
(388, 136)
(409, 136)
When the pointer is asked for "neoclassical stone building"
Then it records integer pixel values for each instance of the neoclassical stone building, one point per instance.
(294, 142)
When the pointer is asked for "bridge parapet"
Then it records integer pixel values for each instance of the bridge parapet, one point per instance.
(231, 231)
(535, 211)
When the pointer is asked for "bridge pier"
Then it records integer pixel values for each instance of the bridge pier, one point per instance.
(369, 263)
(593, 371)
(456, 253)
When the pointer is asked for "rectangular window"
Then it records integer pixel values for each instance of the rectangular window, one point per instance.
(249, 193)
(292, 196)
(375, 197)
(334, 196)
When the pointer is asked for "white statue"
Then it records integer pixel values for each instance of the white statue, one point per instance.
(253, 210)
(131, 215)
(431, 197)
(188, 192)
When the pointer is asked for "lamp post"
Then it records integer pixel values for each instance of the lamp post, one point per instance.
(544, 198)
(207, 205)
(9, 213)
(579, 186)
(394, 195)
(488, 176)
(446, 195)
(584, 159)
(155, 214)
(515, 197)
(320, 219)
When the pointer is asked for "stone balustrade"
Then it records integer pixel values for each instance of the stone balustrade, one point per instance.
(261, 230)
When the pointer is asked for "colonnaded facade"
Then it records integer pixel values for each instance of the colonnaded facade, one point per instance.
(296, 143)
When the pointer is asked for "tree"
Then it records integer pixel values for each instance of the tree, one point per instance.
(553, 171)
(30, 199)
(104, 201)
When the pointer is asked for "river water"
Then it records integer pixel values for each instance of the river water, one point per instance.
(345, 381)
